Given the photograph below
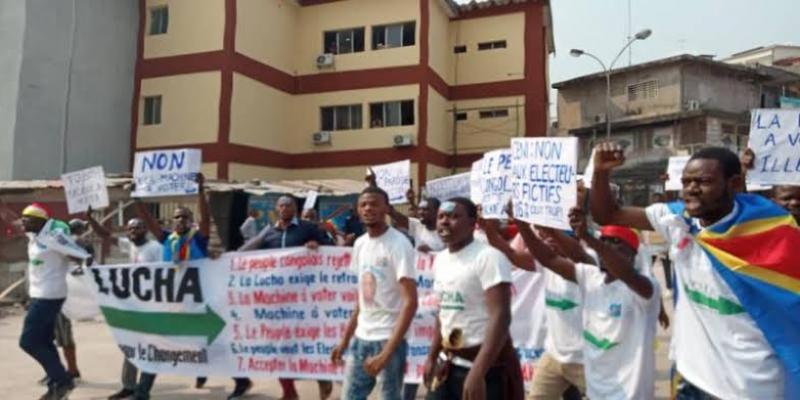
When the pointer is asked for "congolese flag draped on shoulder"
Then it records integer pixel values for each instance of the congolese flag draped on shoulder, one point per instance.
(757, 253)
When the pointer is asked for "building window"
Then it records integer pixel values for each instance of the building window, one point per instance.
(340, 118)
(395, 35)
(500, 113)
(392, 113)
(497, 44)
(159, 19)
(152, 110)
(460, 49)
(344, 41)
(643, 90)
(461, 116)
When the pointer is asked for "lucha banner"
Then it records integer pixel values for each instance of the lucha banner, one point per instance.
(272, 313)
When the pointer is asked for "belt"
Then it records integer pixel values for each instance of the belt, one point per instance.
(456, 360)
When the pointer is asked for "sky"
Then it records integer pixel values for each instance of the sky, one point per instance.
(718, 27)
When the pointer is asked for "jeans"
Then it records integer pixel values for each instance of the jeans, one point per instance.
(38, 335)
(358, 384)
(453, 386)
(687, 391)
(146, 381)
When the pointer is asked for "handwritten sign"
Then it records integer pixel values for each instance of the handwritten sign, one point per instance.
(395, 179)
(675, 168)
(166, 172)
(495, 183)
(544, 179)
(311, 200)
(85, 188)
(475, 192)
(449, 187)
(775, 140)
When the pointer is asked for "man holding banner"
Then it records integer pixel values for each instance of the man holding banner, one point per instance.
(726, 282)
(383, 259)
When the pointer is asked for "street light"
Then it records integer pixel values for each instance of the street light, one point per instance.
(641, 35)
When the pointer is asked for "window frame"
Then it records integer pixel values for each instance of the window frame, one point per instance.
(151, 114)
(385, 30)
(493, 113)
(643, 90)
(337, 33)
(493, 45)
(400, 114)
(335, 109)
(163, 19)
(460, 49)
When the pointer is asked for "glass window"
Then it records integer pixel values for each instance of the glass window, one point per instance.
(392, 113)
(395, 35)
(343, 41)
(500, 113)
(339, 118)
(159, 19)
(327, 118)
(497, 44)
(152, 110)
(460, 49)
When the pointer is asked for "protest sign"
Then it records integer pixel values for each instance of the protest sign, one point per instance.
(775, 140)
(311, 200)
(395, 179)
(544, 185)
(166, 172)
(85, 188)
(495, 183)
(675, 168)
(449, 187)
(272, 313)
(475, 192)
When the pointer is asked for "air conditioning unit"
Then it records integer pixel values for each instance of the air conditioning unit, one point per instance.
(323, 137)
(600, 119)
(325, 60)
(403, 140)
(692, 105)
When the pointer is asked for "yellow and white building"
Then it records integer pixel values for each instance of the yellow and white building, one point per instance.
(302, 89)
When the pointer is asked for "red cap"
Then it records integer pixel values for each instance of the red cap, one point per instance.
(627, 235)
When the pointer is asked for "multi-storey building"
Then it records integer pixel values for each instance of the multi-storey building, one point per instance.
(666, 107)
(280, 89)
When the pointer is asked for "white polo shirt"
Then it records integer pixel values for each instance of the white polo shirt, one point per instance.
(48, 261)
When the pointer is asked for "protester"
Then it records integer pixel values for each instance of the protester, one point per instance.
(383, 259)
(713, 362)
(619, 310)
(559, 373)
(184, 243)
(139, 249)
(50, 250)
(289, 231)
(422, 229)
(326, 226)
(249, 228)
(472, 356)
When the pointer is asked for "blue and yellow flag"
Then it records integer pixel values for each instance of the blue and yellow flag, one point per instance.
(757, 253)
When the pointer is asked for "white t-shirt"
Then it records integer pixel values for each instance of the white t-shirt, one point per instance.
(718, 347)
(564, 340)
(460, 280)
(249, 228)
(380, 263)
(619, 329)
(150, 251)
(422, 235)
(48, 261)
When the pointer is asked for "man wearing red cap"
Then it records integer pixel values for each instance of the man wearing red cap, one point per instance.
(619, 310)
(50, 250)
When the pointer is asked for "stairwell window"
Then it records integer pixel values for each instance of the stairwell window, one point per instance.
(394, 35)
(392, 113)
(343, 41)
(497, 44)
(152, 110)
(499, 113)
(159, 20)
(340, 118)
